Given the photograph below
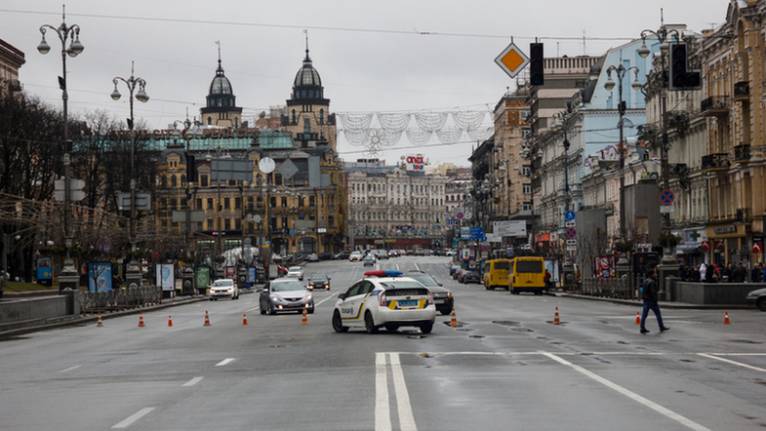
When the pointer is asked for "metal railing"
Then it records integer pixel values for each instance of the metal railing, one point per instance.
(119, 299)
(619, 288)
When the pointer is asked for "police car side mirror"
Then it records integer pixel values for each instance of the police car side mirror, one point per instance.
(342, 296)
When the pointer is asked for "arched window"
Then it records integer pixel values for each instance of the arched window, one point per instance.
(209, 121)
(321, 116)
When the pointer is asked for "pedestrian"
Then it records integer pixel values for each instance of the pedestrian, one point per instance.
(703, 272)
(755, 273)
(547, 278)
(725, 273)
(741, 273)
(649, 293)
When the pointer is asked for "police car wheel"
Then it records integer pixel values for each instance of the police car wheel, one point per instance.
(369, 323)
(427, 327)
(337, 323)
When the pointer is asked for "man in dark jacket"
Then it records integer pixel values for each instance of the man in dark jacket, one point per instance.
(649, 294)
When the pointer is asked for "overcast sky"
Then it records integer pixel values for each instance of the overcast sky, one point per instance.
(361, 71)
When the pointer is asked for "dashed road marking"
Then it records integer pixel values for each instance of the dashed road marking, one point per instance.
(193, 381)
(128, 421)
(382, 409)
(729, 361)
(403, 406)
(224, 362)
(630, 394)
(72, 368)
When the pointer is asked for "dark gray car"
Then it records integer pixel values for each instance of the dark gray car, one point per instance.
(443, 298)
(758, 297)
(285, 294)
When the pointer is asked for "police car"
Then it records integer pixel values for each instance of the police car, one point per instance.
(384, 299)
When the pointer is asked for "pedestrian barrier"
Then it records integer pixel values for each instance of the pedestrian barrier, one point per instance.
(244, 319)
(170, 321)
(453, 319)
(726, 318)
(207, 319)
(618, 288)
(637, 320)
(119, 299)
(556, 316)
(141, 320)
(305, 317)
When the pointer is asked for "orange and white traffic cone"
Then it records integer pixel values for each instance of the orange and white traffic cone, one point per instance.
(244, 319)
(637, 320)
(141, 320)
(99, 322)
(556, 317)
(726, 318)
(453, 318)
(207, 319)
(305, 317)
(170, 321)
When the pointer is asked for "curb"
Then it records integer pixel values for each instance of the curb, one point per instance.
(668, 305)
(93, 318)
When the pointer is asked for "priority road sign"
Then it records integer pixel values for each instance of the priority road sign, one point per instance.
(569, 215)
(666, 198)
(512, 60)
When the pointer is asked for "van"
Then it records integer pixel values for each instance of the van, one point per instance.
(528, 275)
(496, 272)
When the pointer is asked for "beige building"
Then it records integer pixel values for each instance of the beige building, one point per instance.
(11, 60)
(735, 164)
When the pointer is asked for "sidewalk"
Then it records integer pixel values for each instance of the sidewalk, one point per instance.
(37, 325)
(663, 304)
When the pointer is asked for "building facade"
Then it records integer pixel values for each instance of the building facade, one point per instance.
(221, 108)
(11, 60)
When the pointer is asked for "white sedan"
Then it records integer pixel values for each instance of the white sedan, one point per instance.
(295, 272)
(224, 288)
(384, 299)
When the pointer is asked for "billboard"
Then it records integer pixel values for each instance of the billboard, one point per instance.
(510, 228)
(415, 163)
(166, 276)
(99, 277)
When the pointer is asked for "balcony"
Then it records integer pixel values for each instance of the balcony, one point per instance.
(742, 153)
(715, 106)
(742, 91)
(718, 161)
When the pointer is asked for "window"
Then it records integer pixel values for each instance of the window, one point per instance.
(526, 171)
(312, 201)
(294, 120)
(227, 224)
(237, 203)
(203, 180)
(306, 125)
(226, 203)
(284, 201)
(527, 189)
(198, 204)
(321, 116)
(209, 203)
(173, 181)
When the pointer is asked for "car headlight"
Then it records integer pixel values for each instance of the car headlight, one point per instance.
(274, 298)
(449, 295)
(307, 297)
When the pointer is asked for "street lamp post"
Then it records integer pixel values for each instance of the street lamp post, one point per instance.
(620, 72)
(189, 194)
(142, 97)
(664, 36)
(66, 34)
(565, 117)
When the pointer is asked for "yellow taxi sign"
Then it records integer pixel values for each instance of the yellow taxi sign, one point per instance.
(512, 60)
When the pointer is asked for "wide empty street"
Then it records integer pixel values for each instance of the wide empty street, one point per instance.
(506, 367)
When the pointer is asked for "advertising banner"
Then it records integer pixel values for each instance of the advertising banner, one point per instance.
(166, 276)
(510, 228)
(99, 277)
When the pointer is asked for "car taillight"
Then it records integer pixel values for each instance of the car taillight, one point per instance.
(382, 300)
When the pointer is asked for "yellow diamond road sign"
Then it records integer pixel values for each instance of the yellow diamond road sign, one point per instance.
(512, 60)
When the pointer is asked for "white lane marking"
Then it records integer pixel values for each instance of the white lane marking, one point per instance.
(225, 362)
(739, 354)
(324, 300)
(403, 406)
(72, 368)
(193, 381)
(397, 267)
(254, 308)
(128, 421)
(417, 268)
(729, 361)
(630, 394)
(382, 409)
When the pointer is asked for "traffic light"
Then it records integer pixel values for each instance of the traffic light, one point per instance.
(536, 75)
(680, 77)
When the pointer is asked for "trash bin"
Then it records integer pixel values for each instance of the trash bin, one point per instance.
(187, 276)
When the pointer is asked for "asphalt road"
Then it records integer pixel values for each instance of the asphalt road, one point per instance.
(505, 368)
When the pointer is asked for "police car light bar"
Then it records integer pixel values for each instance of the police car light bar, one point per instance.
(381, 273)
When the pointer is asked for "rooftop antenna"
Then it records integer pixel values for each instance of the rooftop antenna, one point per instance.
(558, 48)
(218, 42)
(584, 43)
(306, 35)
(662, 17)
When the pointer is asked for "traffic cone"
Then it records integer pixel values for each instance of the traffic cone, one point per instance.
(244, 319)
(726, 318)
(453, 319)
(556, 317)
(141, 320)
(637, 320)
(99, 322)
(170, 321)
(207, 319)
(305, 317)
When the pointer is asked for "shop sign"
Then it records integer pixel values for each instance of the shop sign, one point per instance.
(722, 230)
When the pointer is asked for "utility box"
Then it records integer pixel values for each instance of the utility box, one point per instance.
(187, 277)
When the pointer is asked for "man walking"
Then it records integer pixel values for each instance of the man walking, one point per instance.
(649, 294)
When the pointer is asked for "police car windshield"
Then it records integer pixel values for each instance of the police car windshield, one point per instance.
(403, 284)
(286, 286)
(424, 279)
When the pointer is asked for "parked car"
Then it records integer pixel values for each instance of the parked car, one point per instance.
(224, 288)
(393, 253)
(369, 260)
(355, 256)
(342, 255)
(452, 269)
(458, 273)
(313, 257)
(757, 297)
(318, 281)
(450, 252)
(295, 272)
(470, 276)
(285, 294)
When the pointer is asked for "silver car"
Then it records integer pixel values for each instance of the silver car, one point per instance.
(285, 294)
